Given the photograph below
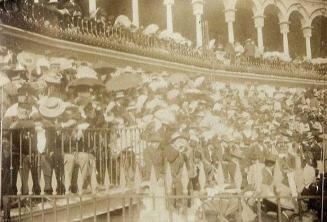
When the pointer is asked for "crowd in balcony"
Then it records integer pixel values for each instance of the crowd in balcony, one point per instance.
(65, 21)
(254, 138)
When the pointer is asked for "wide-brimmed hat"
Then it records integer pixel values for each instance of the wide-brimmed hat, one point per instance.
(86, 76)
(52, 107)
(176, 136)
(53, 77)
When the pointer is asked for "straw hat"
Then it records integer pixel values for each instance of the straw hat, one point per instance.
(52, 107)
(53, 77)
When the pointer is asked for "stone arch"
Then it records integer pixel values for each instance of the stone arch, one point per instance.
(244, 27)
(255, 6)
(297, 7)
(316, 13)
(280, 5)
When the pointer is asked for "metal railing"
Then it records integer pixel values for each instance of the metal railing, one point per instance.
(114, 187)
(116, 38)
(99, 149)
(158, 208)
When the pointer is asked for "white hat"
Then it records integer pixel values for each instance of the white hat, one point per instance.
(52, 107)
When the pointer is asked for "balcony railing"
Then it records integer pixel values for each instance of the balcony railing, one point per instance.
(125, 41)
(114, 187)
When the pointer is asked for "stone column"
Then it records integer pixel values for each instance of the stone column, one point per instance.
(284, 29)
(230, 18)
(307, 33)
(135, 11)
(169, 4)
(198, 12)
(92, 6)
(259, 23)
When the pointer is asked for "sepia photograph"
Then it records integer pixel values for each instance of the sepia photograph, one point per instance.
(163, 110)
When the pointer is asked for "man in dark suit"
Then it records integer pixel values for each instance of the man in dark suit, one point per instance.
(173, 153)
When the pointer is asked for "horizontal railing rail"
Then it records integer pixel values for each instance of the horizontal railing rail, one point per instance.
(134, 207)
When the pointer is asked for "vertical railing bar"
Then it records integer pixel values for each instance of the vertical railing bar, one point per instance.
(259, 210)
(80, 208)
(108, 209)
(300, 209)
(67, 208)
(19, 209)
(11, 160)
(31, 208)
(240, 207)
(95, 209)
(101, 160)
(279, 213)
(83, 141)
(132, 144)
(130, 209)
(20, 153)
(70, 145)
(123, 206)
(55, 208)
(43, 218)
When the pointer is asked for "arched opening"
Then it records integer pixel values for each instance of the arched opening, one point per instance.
(215, 16)
(244, 23)
(153, 12)
(184, 20)
(272, 38)
(115, 8)
(319, 37)
(296, 39)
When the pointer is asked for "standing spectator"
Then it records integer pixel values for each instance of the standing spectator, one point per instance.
(249, 51)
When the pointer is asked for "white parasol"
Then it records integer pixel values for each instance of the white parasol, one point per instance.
(151, 29)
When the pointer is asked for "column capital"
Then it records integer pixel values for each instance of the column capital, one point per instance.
(169, 2)
(197, 7)
(230, 15)
(307, 31)
(259, 21)
(284, 27)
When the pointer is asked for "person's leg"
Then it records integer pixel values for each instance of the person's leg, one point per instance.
(24, 172)
(83, 161)
(68, 169)
(46, 167)
(58, 166)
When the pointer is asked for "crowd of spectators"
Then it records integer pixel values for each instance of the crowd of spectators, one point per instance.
(65, 21)
(257, 139)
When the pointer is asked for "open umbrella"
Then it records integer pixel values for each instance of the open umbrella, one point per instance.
(123, 20)
(151, 29)
(123, 82)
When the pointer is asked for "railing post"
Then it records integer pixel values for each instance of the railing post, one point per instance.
(30, 183)
(279, 210)
(153, 185)
(185, 181)
(94, 182)
(168, 184)
(122, 179)
(107, 181)
(42, 183)
(259, 210)
(54, 183)
(19, 184)
(80, 182)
